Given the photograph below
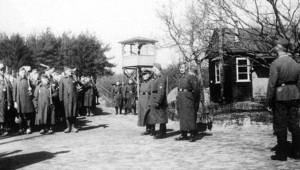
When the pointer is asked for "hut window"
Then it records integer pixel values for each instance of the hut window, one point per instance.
(217, 72)
(242, 70)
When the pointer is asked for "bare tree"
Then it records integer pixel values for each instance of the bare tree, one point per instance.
(266, 21)
(189, 30)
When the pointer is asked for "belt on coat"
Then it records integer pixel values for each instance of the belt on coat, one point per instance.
(145, 93)
(185, 90)
(129, 92)
(154, 91)
(118, 92)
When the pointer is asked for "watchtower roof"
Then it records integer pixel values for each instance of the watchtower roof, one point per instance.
(138, 40)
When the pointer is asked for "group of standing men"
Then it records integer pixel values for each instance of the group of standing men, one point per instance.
(43, 100)
(152, 102)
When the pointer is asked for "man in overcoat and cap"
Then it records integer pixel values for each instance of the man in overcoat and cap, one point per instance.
(5, 97)
(158, 102)
(144, 116)
(130, 95)
(283, 96)
(187, 103)
(68, 93)
(22, 96)
(117, 94)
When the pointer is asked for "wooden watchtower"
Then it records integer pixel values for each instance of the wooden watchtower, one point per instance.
(137, 53)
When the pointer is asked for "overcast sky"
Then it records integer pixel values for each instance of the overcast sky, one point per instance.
(110, 20)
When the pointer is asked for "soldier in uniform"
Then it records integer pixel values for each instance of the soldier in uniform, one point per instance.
(43, 102)
(283, 96)
(130, 94)
(5, 105)
(144, 118)
(187, 103)
(68, 93)
(118, 97)
(158, 102)
(22, 96)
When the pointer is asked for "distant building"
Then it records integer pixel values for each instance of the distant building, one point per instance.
(246, 66)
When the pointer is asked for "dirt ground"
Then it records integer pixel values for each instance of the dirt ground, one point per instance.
(108, 141)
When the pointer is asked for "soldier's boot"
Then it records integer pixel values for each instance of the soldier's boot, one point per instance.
(281, 153)
(193, 136)
(126, 111)
(134, 111)
(162, 131)
(295, 150)
(148, 130)
(274, 148)
(152, 130)
(183, 136)
(116, 110)
(87, 112)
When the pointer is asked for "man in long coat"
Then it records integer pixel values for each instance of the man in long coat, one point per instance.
(187, 103)
(68, 93)
(43, 102)
(117, 94)
(283, 96)
(5, 97)
(22, 96)
(158, 102)
(130, 94)
(144, 118)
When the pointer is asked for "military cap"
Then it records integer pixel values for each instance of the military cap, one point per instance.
(157, 65)
(146, 72)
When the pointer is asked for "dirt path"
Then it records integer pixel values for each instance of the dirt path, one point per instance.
(108, 141)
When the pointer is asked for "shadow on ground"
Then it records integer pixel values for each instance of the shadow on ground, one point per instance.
(23, 160)
(201, 135)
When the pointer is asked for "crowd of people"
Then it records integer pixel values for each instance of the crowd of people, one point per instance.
(43, 100)
(40, 100)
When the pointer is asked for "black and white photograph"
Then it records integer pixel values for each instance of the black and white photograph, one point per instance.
(149, 84)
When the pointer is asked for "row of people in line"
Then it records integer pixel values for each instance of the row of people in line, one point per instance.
(31, 99)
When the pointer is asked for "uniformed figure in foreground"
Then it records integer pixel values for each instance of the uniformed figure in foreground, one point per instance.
(187, 103)
(130, 95)
(283, 96)
(5, 96)
(22, 96)
(117, 97)
(68, 93)
(144, 116)
(158, 102)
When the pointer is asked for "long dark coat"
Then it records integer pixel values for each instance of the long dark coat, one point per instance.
(22, 96)
(143, 104)
(158, 101)
(187, 101)
(117, 96)
(88, 95)
(284, 70)
(44, 107)
(5, 96)
(130, 94)
(68, 94)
